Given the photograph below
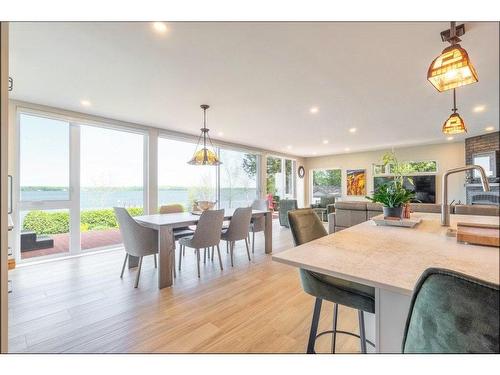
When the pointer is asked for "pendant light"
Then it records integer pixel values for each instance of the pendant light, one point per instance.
(453, 67)
(454, 124)
(204, 156)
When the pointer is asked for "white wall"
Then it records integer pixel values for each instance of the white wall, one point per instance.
(447, 155)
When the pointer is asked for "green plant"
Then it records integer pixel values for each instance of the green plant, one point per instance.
(393, 194)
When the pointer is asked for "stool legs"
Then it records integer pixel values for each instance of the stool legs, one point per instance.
(334, 335)
(362, 337)
(314, 325)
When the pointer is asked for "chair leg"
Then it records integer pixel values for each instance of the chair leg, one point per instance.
(124, 264)
(314, 326)
(212, 257)
(198, 260)
(183, 250)
(156, 264)
(334, 336)
(138, 273)
(362, 336)
(220, 260)
(180, 257)
(227, 247)
(205, 255)
(248, 250)
(231, 250)
(253, 242)
(173, 263)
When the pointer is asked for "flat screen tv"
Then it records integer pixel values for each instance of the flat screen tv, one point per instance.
(423, 186)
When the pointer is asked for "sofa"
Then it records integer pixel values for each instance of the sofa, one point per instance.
(349, 213)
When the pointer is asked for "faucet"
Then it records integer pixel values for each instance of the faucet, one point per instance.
(445, 207)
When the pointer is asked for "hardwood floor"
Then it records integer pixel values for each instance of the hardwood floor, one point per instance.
(81, 305)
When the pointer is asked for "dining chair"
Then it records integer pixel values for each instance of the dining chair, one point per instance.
(452, 313)
(238, 230)
(207, 235)
(257, 224)
(306, 226)
(138, 240)
(178, 232)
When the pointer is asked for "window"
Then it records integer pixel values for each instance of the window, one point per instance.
(44, 159)
(179, 182)
(281, 177)
(487, 161)
(326, 182)
(111, 174)
(238, 178)
(408, 167)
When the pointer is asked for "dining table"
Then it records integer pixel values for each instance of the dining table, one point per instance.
(391, 260)
(164, 224)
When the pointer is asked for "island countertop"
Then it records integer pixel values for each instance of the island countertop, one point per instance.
(393, 258)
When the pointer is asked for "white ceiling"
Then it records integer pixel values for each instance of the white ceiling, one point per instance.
(260, 79)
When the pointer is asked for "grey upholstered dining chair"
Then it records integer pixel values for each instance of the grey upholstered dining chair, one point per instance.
(238, 230)
(452, 313)
(207, 235)
(257, 224)
(138, 240)
(306, 226)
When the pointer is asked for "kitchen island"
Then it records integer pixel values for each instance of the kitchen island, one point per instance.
(391, 259)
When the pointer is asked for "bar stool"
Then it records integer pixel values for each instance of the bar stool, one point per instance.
(306, 226)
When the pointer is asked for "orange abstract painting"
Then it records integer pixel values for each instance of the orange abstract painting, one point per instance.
(356, 182)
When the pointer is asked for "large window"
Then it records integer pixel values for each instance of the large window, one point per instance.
(179, 182)
(111, 174)
(281, 177)
(238, 178)
(326, 182)
(407, 167)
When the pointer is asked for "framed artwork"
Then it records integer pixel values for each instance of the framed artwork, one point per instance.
(356, 182)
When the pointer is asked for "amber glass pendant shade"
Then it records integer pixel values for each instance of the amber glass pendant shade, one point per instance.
(454, 125)
(204, 157)
(451, 69)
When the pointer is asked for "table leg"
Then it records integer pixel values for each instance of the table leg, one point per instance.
(391, 310)
(268, 232)
(165, 247)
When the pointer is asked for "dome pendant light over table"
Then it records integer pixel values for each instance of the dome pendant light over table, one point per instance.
(205, 155)
(452, 68)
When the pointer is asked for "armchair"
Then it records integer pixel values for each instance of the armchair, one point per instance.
(324, 207)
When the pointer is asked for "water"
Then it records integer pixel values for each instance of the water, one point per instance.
(106, 198)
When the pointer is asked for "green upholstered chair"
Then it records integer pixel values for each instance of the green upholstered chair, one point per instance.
(452, 313)
(285, 206)
(306, 226)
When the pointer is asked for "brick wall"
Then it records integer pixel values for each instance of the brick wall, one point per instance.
(483, 143)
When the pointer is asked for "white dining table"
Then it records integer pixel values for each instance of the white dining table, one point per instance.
(391, 260)
(166, 223)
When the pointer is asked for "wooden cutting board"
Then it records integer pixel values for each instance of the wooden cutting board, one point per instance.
(479, 234)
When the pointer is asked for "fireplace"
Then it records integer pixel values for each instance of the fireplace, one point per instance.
(476, 195)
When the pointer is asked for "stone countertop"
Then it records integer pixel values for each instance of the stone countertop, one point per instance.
(393, 258)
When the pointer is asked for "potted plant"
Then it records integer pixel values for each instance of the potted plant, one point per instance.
(393, 195)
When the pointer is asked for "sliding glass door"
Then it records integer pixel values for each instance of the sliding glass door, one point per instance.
(111, 174)
(46, 199)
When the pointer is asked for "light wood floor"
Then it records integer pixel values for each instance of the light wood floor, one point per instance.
(81, 305)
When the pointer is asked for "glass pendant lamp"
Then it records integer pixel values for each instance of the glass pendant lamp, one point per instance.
(452, 68)
(204, 155)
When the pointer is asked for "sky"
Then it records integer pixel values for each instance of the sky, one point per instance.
(112, 158)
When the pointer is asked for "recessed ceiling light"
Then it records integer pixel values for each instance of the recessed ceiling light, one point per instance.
(479, 108)
(352, 130)
(314, 110)
(347, 149)
(220, 134)
(489, 128)
(450, 138)
(289, 147)
(325, 141)
(85, 103)
(314, 153)
(160, 27)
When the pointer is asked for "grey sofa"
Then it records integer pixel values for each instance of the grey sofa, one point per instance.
(349, 213)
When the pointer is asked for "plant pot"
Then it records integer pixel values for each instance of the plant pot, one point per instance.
(393, 211)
